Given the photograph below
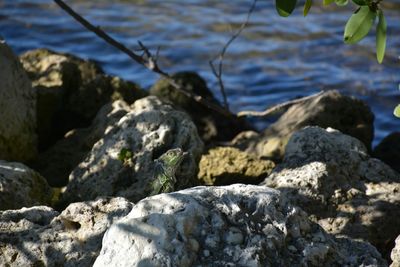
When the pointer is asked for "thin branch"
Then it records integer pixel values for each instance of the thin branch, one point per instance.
(147, 59)
(220, 57)
(278, 108)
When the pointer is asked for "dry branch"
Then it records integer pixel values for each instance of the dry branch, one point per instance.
(147, 59)
(220, 57)
(277, 108)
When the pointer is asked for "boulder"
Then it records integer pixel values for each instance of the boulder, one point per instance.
(70, 91)
(330, 109)
(388, 150)
(237, 225)
(40, 236)
(147, 131)
(331, 176)
(18, 139)
(395, 255)
(57, 162)
(211, 125)
(21, 186)
(228, 165)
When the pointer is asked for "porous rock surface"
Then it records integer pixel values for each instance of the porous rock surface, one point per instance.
(148, 130)
(18, 139)
(228, 165)
(21, 186)
(237, 225)
(211, 125)
(40, 236)
(70, 91)
(395, 255)
(57, 162)
(332, 177)
(330, 109)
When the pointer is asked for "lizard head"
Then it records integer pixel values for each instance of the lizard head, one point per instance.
(172, 158)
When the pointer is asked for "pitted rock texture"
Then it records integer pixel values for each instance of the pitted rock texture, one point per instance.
(237, 225)
(21, 186)
(40, 236)
(18, 139)
(147, 131)
(70, 91)
(228, 165)
(57, 162)
(330, 109)
(331, 176)
(395, 255)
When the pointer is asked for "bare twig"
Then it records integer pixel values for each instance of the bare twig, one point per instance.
(147, 59)
(220, 57)
(277, 108)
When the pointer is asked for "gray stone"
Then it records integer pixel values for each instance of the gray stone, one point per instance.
(18, 140)
(70, 91)
(148, 130)
(332, 177)
(237, 225)
(57, 162)
(21, 186)
(331, 109)
(40, 236)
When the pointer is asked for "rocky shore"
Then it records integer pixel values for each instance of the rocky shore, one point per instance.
(79, 150)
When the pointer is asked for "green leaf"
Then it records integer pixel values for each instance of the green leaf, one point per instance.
(359, 24)
(380, 37)
(307, 7)
(360, 2)
(397, 111)
(341, 2)
(328, 2)
(285, 7)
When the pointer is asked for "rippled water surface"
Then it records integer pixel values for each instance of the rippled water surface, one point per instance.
(274, 60)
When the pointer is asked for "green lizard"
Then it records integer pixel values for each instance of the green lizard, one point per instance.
(164, 171)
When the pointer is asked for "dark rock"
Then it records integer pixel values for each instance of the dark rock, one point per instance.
(211, 125)
(388, 150)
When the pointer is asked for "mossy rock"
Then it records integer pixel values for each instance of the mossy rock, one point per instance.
(228, 165)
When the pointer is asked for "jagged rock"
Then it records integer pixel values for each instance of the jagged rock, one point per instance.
(148, 130)
(211, 125)
(40, 236)
(56, 163)
(331, 109)
(18, 139)
(332, 177)
(70, 91)
(388, 150)
(237, 225)
(228, 165)
(21, 186)
(395, 255)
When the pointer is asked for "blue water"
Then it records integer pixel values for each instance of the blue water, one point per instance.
(275, 59)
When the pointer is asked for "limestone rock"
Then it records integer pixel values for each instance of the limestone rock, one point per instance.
(57, 162)
(228, 165)
(388, 150)
(331, 109)
(331, 176)
(40, 236)
(71, 91)
(21, 186)
(395, 255)
(18, 140)
(211, 125)
(148, 130)
(237, 225)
